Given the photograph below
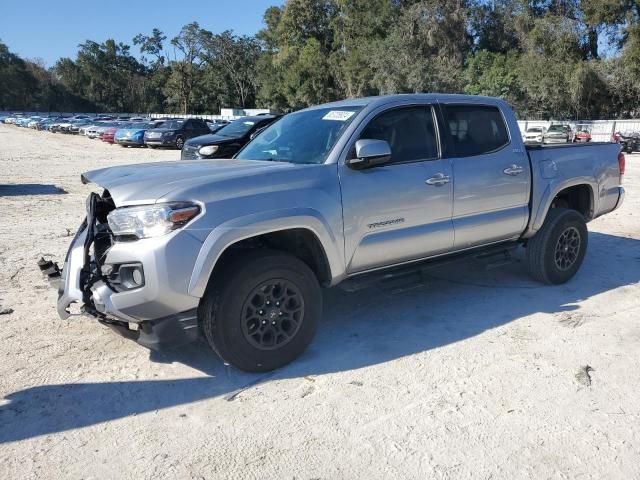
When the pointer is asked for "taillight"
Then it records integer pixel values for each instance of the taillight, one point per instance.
(621, 165)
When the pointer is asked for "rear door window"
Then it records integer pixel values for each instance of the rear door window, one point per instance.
(474, 129)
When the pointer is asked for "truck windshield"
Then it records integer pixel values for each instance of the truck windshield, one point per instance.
(302, 137)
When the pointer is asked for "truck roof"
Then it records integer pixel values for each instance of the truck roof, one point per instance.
(386, 99)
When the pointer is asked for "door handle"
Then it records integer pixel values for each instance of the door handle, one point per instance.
(438, 180)
(513, 170)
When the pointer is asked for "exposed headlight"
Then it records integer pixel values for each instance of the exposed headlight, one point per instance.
(151, 220)
(167, 134)
(208, 150)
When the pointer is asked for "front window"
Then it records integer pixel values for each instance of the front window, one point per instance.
(173, 124)
(302, 137)
(409, 131)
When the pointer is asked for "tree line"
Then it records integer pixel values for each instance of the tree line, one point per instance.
(549, 59)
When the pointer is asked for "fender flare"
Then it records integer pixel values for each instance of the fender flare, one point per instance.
(241, 228)
(553, 188)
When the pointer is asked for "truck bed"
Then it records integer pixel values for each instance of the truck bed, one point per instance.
(559, 166)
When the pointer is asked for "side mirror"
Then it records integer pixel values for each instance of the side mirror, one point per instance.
(370, 153)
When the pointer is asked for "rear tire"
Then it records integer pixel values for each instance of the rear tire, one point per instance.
(262, 310)
(557, 250)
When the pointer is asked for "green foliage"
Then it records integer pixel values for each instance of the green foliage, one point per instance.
(541, 56)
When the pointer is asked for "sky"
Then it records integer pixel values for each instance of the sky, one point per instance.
(49, 29)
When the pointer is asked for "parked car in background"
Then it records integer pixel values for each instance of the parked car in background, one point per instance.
(33, 122)
(77, 125)
(173, 133)
(583, 133)
(629, 141)
(55, 126)
(44, 121)
(12, 119)
(94, 131)
(533, 135)
(215, 125)
(99, 128)
(133, 135)
(82, 129)
(48, 123)
(23, 121)
(226, 141)
(557, 134)
(64, 127)
(109, 133)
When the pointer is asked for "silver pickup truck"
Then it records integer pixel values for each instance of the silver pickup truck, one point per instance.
(237, 250)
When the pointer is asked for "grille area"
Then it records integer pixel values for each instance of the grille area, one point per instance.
(189, 152)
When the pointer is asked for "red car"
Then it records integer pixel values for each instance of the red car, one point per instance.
(108, 135)
(583, 133)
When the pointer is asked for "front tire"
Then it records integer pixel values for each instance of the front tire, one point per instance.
(557, 250)
(262, 310)
(179, 143)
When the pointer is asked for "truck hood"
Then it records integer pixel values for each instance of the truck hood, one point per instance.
(149, 182)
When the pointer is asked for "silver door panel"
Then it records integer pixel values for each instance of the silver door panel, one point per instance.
(487, 227)
(401, 245)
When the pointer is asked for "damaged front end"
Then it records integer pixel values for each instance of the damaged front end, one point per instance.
(82, 271)
(125, 283)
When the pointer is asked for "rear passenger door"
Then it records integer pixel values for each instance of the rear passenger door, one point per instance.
(492, 176)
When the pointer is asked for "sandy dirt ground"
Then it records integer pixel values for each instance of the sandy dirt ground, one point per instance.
(468, 372)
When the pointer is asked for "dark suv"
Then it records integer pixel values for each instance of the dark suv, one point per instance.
(226, 142)
(174, 132)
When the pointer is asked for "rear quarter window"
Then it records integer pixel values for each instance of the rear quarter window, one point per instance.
(474, 129)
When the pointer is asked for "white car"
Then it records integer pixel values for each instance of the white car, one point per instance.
(95, 130)
(85, 128)
(533, 135)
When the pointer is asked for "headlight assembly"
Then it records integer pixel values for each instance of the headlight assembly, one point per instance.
(208, 150)
(151, 220)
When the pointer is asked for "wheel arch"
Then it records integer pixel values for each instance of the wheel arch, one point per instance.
(305, 235)
(576, 194)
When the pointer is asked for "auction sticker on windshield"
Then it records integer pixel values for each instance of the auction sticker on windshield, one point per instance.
(340, 115)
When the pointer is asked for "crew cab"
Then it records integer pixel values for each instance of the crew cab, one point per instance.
(237, 249)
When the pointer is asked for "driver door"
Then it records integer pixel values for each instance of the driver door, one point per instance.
(400, 211)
